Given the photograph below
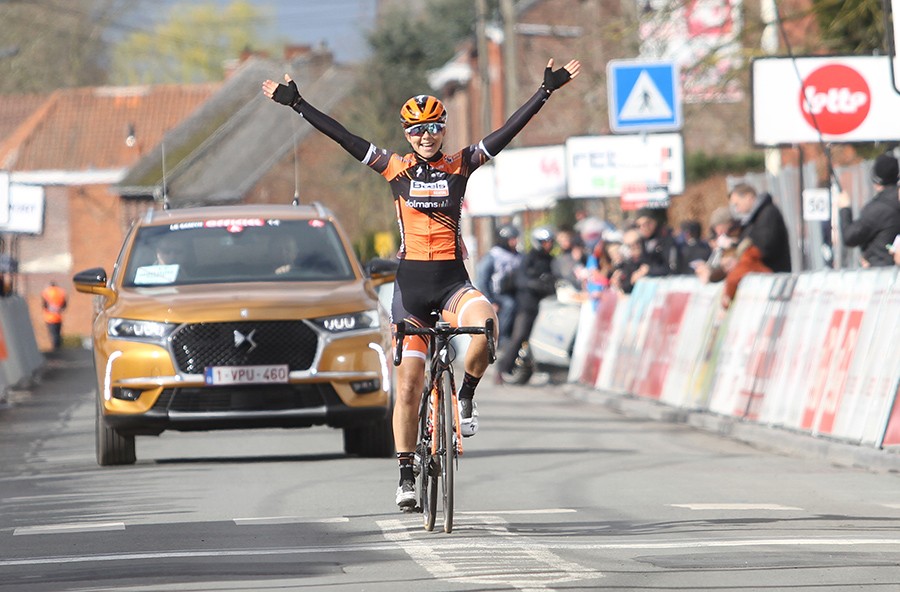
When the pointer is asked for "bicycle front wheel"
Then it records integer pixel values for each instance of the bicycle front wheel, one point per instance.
(427, 480)
(447, 448)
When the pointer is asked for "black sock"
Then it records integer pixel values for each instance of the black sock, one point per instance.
(405, 460)
(468, 386)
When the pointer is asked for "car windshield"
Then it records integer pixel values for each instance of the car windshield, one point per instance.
(246, 250)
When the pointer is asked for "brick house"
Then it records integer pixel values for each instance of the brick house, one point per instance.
(74, 146)
(96, 152)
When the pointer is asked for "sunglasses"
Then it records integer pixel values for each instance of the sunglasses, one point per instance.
(420, 128)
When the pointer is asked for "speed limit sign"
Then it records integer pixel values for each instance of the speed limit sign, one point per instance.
(816, 205)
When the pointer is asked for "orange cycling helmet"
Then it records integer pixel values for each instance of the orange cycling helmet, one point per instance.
(422, 109)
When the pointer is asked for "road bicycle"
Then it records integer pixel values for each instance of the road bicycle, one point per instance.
(439, 441)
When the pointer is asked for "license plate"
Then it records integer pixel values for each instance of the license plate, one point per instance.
(246, 374)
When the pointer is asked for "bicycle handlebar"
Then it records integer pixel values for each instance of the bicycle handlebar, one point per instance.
(404, 329)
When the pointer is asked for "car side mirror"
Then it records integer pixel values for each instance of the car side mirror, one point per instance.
(93, 281)
(381, 271)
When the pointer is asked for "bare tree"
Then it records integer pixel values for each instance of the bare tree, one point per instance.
(51, 44)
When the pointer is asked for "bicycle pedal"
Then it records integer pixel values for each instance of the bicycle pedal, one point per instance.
(409, 509)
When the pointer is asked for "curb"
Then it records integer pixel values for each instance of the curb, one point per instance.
(763, 437)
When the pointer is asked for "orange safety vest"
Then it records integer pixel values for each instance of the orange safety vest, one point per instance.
(54, 303)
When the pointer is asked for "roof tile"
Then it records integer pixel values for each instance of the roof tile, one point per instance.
(87, 128)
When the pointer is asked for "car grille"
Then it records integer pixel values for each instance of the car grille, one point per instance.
(199, 345)
(241, 398)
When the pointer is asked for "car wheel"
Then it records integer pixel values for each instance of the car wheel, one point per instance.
(113, 448)
(351, 440)
(375, 440)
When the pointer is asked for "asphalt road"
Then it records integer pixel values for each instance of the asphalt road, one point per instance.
(554, 493)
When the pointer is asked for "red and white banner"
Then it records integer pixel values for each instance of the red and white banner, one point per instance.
(829, 98)
(814, 352)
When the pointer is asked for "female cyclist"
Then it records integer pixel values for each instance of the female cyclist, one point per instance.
(428, 187)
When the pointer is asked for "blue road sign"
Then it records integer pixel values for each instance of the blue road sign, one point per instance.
(644, 96)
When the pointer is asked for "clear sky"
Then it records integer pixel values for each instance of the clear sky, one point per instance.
(342, 24)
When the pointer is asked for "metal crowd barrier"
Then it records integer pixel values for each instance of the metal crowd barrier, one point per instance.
(20, 357)
(815, 352)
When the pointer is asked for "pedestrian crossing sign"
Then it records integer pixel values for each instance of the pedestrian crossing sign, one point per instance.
(644, 96)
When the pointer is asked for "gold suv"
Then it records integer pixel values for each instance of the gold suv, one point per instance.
(239, 317)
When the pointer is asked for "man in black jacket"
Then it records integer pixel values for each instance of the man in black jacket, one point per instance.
(534, 282)
(762, 223)
(763, 244)
(661, 255)
(879, 220)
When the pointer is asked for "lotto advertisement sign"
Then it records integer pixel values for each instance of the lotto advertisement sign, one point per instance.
(833, 98)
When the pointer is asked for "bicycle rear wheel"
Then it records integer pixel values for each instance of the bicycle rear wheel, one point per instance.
(447, 450)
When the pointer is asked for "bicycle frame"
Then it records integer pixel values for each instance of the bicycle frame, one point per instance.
(439, 442)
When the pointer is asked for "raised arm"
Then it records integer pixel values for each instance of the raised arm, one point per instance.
(288, 94)
(553, 80)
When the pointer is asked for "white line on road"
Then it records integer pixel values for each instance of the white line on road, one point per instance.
(892, 506)
(495, 512)
(69, 528)
(533, 567)
(288, 520)
(729, 507)
(475, 547)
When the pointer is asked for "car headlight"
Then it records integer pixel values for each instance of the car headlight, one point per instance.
(354, 321)
(150, 331)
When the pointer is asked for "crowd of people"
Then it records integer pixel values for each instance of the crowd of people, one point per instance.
(748, 234)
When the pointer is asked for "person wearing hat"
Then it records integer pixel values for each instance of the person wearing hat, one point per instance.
(879, 221)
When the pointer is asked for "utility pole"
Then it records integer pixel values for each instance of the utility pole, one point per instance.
(483, 71)
(510, 79)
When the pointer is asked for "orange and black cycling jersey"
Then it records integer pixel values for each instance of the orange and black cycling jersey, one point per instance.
(428, 194)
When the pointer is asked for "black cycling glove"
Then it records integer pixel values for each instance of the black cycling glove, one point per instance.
(287, 94)
(554, 79)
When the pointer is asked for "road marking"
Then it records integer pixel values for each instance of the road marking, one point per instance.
(495, 512)
(771, 507)
(288, 520)
(514, 561)
(688, 544)
(69, 528)
(465, 548)
(892, 506)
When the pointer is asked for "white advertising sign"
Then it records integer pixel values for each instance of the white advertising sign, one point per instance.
(518, 179)
(4, 197)
(26, 210)
(610, 166)
(847, 99)
(894, 26)
(532, 178)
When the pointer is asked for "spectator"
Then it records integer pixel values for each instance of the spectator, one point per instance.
(53, 300)
(660, 254)
(724, 232)
(534, 282)
(694, 250)
(569, 264)
(763, 242)
(628, 271)
(495, 276)
(879, 220)
(599, 269)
